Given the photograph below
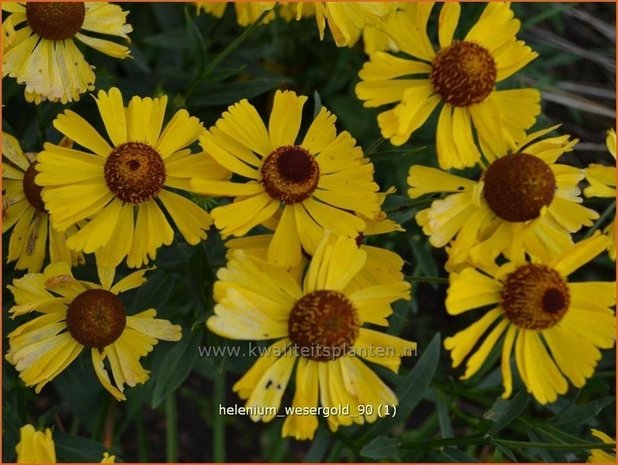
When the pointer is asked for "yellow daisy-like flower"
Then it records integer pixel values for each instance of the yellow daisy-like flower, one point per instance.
(318, 327)
(119, 188)
(602, 181)
(24, 211)
(600, 455)
(247, 13)
(78, 315)
(524, 202)
(553, 326)
(462, 75)
(296, 189)
(38, 447)
(42, 54)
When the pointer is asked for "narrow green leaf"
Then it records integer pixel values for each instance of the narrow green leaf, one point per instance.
(198, 45)
(320, 445)
(504, 412)
(579, 414)
(176, 366)
(411, 389)
(155, 292)
(227, 93)
(175, 39)
(70, 448)
(382, 447)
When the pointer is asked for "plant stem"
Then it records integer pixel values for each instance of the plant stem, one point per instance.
(142, 443)
(426, 279)
(420, 203)
(235, 44)
(171, 432)
(597, 224)
(218, 421)
(484, 440)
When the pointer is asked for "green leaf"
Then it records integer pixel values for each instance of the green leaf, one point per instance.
(175, 39)
(320, 445)
(411, 389)
(579, 414)
(70, 448)
(176, 366)
(155, 292)
(504, 411)
(227, 93)
(198, 45)
(80, 389)
(382, 447)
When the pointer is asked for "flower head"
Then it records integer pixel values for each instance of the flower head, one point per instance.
(299, 189)
(319, 328)
(42, 54)
(119, 189)
(462, 75)
(77, 315)
(553, 327)
(24, 211)
(524, 202)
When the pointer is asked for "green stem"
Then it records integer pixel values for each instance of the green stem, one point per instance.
(486, 440)
(218, 421)
(171, 432)
(420, 203)
(142, 443)
(235, 44)
(426, 279)
(597, 224)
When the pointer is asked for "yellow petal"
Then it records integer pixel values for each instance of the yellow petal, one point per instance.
(285, 118)
(112, 112)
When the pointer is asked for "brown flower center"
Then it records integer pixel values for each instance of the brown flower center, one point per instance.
(32, 190)
(96, 318)
(535, 297)
(518, 186)
(55, 20)
(324, 325)
(290, 174)
(463, 74)
(134, 172)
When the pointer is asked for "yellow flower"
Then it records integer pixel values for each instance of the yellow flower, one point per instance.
(38, 447)
(318, 328)
(117, 188)
(42, 54)
(602, 181)
(524, 202)
(600, 455)
(463, 75)
(35, 446)
(24, 211)
(296, 189)
(553, 326)
(247, 13)
(78, 315)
